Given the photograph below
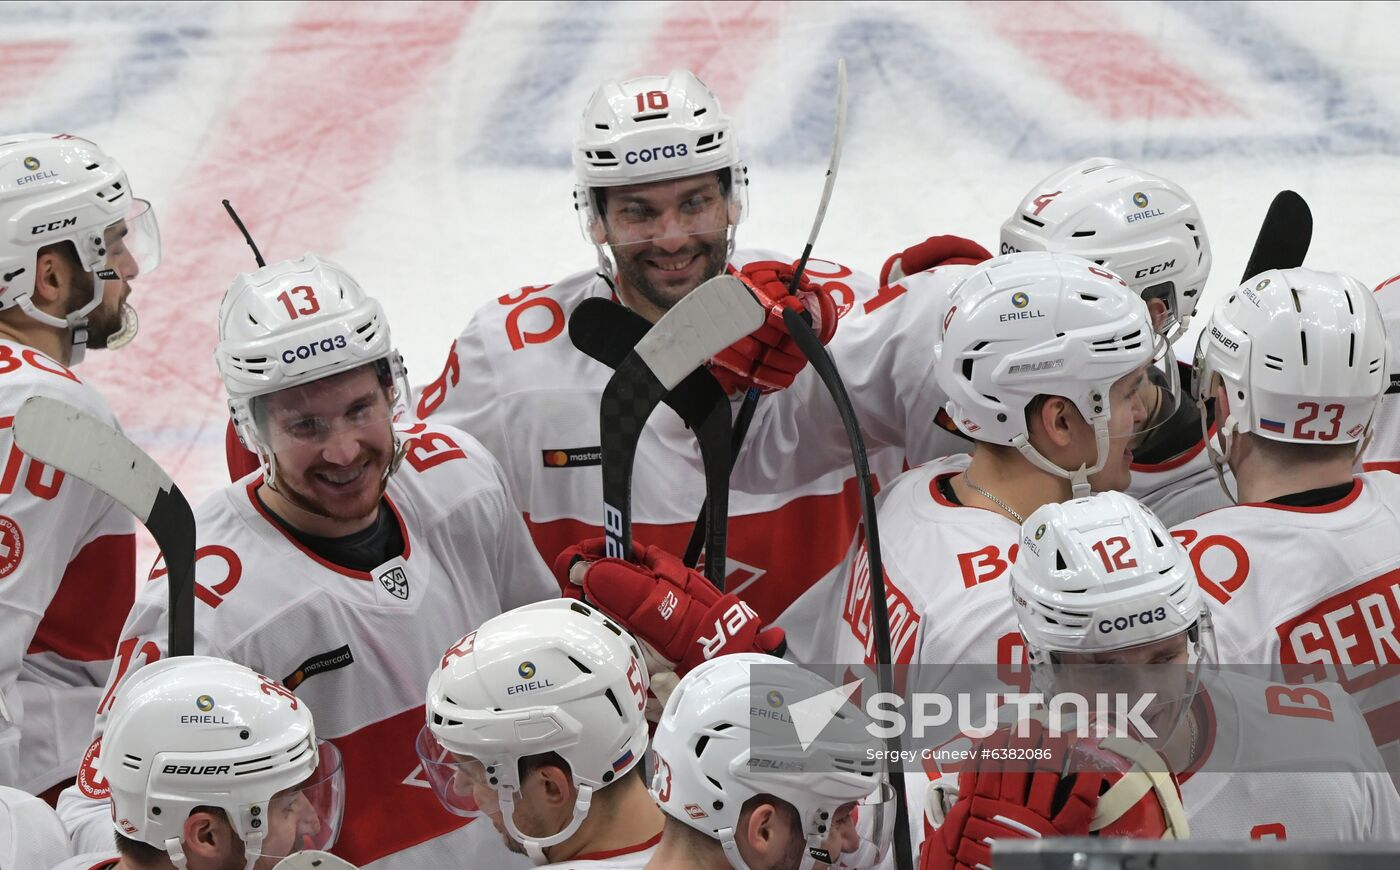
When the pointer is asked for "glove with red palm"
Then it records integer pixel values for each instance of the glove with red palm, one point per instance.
(1003, 794)
(930, 253)
(676, 615)
(769, 359)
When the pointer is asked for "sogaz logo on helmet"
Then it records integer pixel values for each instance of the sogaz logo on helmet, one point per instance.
(1122, 623)
(310, 349)
(206, 715)
(657, 152)
(31, 163)
(527, 670)
(1140, 200)
(1019, 301)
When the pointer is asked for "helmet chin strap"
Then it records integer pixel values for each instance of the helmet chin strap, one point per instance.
(1079, 478)
(1218, 448)
(535, 846)
(731, 850)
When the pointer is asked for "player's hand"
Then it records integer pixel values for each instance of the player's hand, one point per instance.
(769, 359)
(1012, 797)
(677, 616)
(930, 253)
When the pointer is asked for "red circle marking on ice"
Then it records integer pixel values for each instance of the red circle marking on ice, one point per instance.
(90, 782)
(11, 546)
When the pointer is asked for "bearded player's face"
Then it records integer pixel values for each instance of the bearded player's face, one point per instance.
(333, 440)
(668, 237)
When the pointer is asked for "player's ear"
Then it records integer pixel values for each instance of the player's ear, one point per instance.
(598, 230)
(1222, 398)
(1157, 310)
(51, 276)
(760, 832)
(555, 786)
(207, 836)
(1055, 418)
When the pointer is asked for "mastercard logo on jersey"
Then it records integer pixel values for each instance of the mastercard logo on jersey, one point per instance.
(572, 457)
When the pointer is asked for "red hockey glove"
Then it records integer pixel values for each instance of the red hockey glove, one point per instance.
(930, 253)
(241, 461)
(769, 359)
(1004, 794)
(674, 613)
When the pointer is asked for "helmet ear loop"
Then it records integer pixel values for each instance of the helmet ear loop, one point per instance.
(1218, 449)
(176, 850)
(535, 846)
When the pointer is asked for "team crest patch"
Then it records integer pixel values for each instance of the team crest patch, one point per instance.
(572, 457)
(11, 546)
(396, 582)
(90, 782)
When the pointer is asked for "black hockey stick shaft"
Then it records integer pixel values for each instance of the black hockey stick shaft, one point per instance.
(1284, 236)
(825, 367)
(607, 332)
(750, 403)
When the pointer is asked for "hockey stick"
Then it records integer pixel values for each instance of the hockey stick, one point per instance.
(607, 332)
(1284, 236)
(77, 443)
(825, 367)
(707, 320)
(314, 861)
(746, 410)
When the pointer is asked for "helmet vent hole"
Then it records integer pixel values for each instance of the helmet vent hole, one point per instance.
(700, 111)
(1082, 234)
(714, 782)
(1351, 352)
(1350, 309)
(580, 665)
(1088, 298)
(602, 127)
(1273, 362)
(1156, 540)
(91, 166)
(701, 744)
(709, 142)
(1100, 262)
(1297, 303)
(967, 369)
(651, 116)
(612, 699)
(1060, 561)
(1032, 221)
(1303, 337)
(723, 726)
(131, 762)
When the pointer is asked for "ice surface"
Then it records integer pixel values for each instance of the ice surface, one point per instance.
(426, 146)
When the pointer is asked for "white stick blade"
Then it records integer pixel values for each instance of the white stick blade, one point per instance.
(77, 443)
(706, 321)
(314, 861)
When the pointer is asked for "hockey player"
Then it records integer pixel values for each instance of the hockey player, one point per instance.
(1383, 451)
(210, 766)
(738, 793)
(351, 560)
(74, 239)
(1254, 759)
(1304, 571)
(661, 190)
(537, 719)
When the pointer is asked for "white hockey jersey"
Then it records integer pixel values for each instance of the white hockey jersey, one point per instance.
(357, 647)
(514, 380)
(90, 861)
(1239, 790)
(631, 858)
(1180, 489)
(1383, 453)
(1310, 587)
(67, 580)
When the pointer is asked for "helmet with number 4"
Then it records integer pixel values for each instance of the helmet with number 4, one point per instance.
(290, 323)
(59, 188)
(651, 129)
(1302, 356)
(553, 676)
(726, 735)
(1033, 324)
(192, 732)
(1131, 222)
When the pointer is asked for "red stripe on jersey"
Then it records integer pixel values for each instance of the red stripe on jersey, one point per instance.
(339, 569)
(1392, 467)
(1384, 723)
(773, 557)
(1328, 508)
(389, 806)
(84, 620)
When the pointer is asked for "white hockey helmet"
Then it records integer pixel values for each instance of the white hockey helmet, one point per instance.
(715, 748)
(1303, 358)
(195, 731)
(553, 676)
(1102, 574)
(651, 129)
(1133, 223)
(290, 323)
(1040, 323)
(59, 188)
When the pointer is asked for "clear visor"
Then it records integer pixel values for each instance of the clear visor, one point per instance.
(860, 835)
(1158, 388)
(1156, 679)
(133, 243)
(672, 215)
(318, 414)
(460, 783)
(307, 816)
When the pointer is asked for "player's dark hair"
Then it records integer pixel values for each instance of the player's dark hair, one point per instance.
(1286, 454)
(726, 182)
(531, 763)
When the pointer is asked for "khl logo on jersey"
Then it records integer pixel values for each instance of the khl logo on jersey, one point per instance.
(396, 581)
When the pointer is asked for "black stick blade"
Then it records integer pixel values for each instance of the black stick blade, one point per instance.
(1284, 236)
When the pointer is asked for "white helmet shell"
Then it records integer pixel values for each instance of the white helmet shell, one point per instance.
(553, 676)
(294, 322)
(1302, 355)
(709, 761)
(1139, 225)
(1032, 324)
(195, 731)
(1101, 573)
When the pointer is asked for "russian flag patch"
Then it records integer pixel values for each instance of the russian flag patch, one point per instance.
(622, 762)
(1271, 425)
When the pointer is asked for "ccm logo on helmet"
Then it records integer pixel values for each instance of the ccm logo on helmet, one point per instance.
(1147, 617)
(1153, 270)
(660, 152)
(53, 225)
(196, 770)
(306, 351)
